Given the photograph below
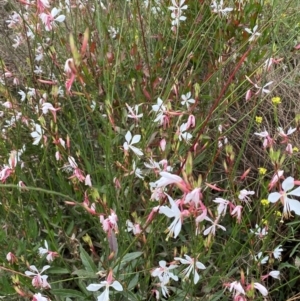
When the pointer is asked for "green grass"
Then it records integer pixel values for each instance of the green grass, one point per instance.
(209, 55)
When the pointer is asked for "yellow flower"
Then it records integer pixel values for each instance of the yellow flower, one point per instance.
(295, 149)
(278, 213)
(265, 202)
(264, 221)
(258, 119)
(262, 170)
(276, 100)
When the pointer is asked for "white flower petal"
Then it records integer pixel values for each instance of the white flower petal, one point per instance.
(196, 277)
(288, 184)
(274, 197)
(261, 289)
(117, 286)
(294, 206)
(295, 192)
(128, 137)
(136, 139)
(137, 151)
(104, 296)
(94, 287)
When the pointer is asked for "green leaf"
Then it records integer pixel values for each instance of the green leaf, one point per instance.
(133, 282)
(67, 293)
(87, 261)
(130, 256)
(85, 274)
(59, 271)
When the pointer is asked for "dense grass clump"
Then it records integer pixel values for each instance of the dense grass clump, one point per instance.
(149, 150)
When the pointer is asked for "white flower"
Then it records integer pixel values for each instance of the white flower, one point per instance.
(259, 232)
(237, 288)
(130, 141)
(261, 259)
(288, 203)
(107, 284)
(253, 33)
(163, 272)
(277, 252)
(135, 228)
(37, 135)
(187, 100)
(39, 297)
(243, 196)
(275, 274)
(133, 113)
(192, 267)
(137, 171)
(183, 135)
(160, 110)
(50, 19)
(167, 179)
(38, 70)
(38, 281)
(50, 254)
(113, 32)
(218, 8)
(174, 211)
(222, 207)
(177, 12)
(23, 95)
(213, 227)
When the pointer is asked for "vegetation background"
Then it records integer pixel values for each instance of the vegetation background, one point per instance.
(138, 137)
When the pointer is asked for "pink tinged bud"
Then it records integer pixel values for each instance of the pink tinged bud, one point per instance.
(16, 81)
(10, 257)
(7, 105)
(58, 156)
(117, 183)
(191, 122)
(153, 212)
(110, 277)
(88, 181)
(163, 144)
(22, 186)
(245, 174)
(289, 149)
(248, 95)
(275, 179)
(68, 142)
